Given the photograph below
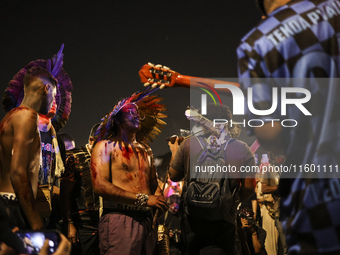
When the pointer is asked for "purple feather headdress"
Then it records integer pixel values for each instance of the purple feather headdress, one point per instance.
(148, 106)
(14, 93)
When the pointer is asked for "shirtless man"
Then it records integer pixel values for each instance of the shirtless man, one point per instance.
(124, 175)
(20, 147)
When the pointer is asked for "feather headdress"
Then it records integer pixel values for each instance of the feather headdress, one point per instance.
(148, 106)
(14, 93)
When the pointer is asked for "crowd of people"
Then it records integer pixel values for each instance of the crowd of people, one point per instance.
(106, 197)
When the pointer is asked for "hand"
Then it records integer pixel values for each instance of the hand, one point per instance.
(253, 229)
(244, 223)
(174, 146)
(6, 250)
(72, 233)
(63, 249)
(158, 201)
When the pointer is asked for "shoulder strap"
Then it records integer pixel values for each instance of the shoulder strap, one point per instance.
(227, 180)
(201, 141)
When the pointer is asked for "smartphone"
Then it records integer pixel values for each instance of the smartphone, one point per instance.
(34, 240)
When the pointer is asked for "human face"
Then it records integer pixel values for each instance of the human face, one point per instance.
(130, 117)
(50, 92)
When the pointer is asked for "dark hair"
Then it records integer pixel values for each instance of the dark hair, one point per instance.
(218, 112)
(36, 72)
(223, 112)
(116, 120)
(66, 137)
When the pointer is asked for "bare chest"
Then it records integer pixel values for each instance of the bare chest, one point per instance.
(130, 168)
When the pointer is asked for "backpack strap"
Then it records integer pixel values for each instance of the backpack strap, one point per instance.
(227, 180)
(201, 141)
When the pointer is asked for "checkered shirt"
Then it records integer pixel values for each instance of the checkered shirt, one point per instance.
(301, 40)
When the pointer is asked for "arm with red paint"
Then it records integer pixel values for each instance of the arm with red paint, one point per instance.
(154, 187)
(174, 174)
(101, 168)
(24, 124)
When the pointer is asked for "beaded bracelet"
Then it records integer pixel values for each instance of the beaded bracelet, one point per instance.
(141, 199)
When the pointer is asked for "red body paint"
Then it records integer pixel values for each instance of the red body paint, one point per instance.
(127, 153)
(93, 170)
(129, 176)
(9, 116)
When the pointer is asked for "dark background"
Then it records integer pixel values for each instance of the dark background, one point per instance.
(107, 42)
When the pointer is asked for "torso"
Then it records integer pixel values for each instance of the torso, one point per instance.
(6, 149)
(130, 167)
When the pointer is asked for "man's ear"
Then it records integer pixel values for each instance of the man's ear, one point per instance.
(46, 88)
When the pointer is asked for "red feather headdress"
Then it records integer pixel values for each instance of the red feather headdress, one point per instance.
(148, 107)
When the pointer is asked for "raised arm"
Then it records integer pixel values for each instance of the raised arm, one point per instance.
(24, 124)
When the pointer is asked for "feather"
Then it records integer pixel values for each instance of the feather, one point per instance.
(14, 93)
(148, 106)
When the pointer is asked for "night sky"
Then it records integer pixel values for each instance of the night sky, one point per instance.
(107, 42)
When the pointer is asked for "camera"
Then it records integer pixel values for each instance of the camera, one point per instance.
(34, 240)
(248, 215)
(251, 221)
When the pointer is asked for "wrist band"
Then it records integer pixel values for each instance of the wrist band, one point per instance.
(141, 199)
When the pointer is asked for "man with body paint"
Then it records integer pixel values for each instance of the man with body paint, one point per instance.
(123, 173)
(20, 147)
(51, 165)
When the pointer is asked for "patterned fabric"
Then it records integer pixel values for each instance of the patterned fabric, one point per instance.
(277, 44)
(45, 175)
(78, 170)
(301, 39)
